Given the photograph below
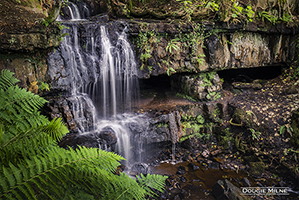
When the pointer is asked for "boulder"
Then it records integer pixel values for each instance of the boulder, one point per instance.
(225, 190)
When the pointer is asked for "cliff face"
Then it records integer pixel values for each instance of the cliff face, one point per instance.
(26, 39)
(175, 48)
(171, 45)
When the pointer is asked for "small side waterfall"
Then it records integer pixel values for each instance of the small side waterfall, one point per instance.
(74, 11)
(75, 14)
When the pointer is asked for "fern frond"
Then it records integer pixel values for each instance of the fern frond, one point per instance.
(56, 129)
(7, 79)
(30, 141)
(152, 181)
(59, 172)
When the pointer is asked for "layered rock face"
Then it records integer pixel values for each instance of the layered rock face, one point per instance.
(214, 47)
(202, 87)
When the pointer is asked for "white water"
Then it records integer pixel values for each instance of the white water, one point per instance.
(74, 12)
(101, 77)
(126, 68)
(107, 75)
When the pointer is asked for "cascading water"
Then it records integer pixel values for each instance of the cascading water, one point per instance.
(73, 12)
(100, 75)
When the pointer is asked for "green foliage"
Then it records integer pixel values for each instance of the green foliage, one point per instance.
(172, 45)
(296, 73)
(213, 5)
(226, 138)
(194, 41)
(255, 134)
(43, 86)
(207, 79)
(188, 8)
(286, 18)
(7, 79)
(200, 59)
(200, 119)
(197, 125)
(145, 56)
(266, 15)
(143, 41)
(170, 69)
(33, 166)
(286, 128)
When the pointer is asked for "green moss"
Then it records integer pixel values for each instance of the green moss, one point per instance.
(240, 144)
(257, 168)
(226, 138)
(162, 125)
(245, 118)
(200, 119)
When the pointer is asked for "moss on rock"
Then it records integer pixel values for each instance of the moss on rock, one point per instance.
(244, 118)
(257, 168)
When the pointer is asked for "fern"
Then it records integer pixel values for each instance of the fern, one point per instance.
(7, 80)
(33, 166)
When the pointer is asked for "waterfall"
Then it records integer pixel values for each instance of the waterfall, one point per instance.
(99, 72)
(74, 11)
(108, 76)
(71, 12)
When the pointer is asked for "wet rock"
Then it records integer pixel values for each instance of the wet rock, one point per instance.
(214, 165)
(183, 179)
(25, 70)
(193, 166)
(225, 190)
(205, 86)
(100, 18)
(246, 182)
(107, 138)
(177, 197)
(68, 141)
(87, 140)
(36, 38)
(175, 191)
(181, 170)
(141, 168)
(168, 182)
(255, 86)
(185, 158)
(205, 153)
(159, 119)
(192, 143)
(291, 90)
(243, 118)
(177, 185)
(173, 128)
(135, 127)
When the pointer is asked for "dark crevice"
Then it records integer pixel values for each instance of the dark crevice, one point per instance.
(249, 74)
(161, 82)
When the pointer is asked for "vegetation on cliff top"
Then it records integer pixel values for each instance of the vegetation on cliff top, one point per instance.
(230, 11)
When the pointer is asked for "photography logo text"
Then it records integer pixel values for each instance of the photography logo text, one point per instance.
(264, 190)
